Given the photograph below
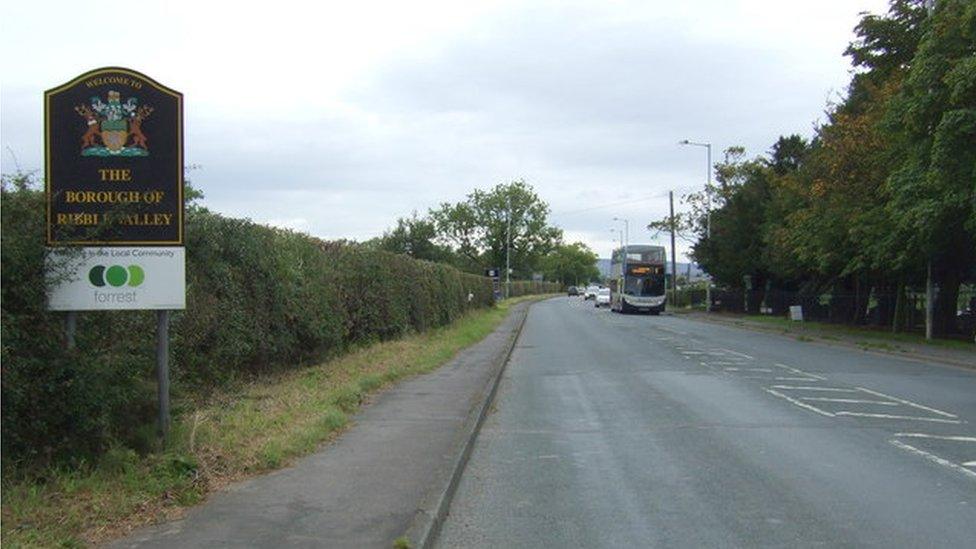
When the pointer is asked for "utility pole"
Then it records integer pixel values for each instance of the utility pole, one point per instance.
(508, 251)
(674, 255)
(708, 217)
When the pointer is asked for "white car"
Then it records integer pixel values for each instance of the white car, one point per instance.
(602, 297)
(590, 292)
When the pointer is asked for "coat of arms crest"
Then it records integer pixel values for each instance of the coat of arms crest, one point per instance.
(116, 124)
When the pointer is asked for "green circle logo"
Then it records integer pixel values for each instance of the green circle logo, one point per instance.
(97, 275)
(136, 275)
(116, 276)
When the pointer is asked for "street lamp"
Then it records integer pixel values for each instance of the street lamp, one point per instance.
(625, 242)
(708, 215)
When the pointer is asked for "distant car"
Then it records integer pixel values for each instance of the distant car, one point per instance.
(591, 292)
(572, 291)
(602, 297)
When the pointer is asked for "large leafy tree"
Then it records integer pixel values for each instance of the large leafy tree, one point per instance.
(934, 188)
(414, 236)
(571, 264)
(479, 227)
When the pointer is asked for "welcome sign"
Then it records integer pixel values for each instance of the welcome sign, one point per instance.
(114, 161)
(114, 179)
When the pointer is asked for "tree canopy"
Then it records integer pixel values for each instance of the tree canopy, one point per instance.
(885, 188)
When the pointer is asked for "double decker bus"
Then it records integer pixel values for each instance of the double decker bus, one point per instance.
(637, 280)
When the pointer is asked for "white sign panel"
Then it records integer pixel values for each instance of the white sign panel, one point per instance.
(796, 312)
(94, 279)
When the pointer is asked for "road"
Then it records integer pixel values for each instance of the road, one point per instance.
(632, 431)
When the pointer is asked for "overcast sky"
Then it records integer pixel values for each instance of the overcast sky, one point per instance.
(335, 118)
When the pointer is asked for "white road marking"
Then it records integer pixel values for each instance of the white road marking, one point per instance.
(743, 355)
(798, 403)
(692, 353)
(909, 403)
(796, 379)
(732, 369)
(800, 372)
(969, 464)
(888, 416)
(933, 458)
(850, 400)
(939, 437)
(805, 388)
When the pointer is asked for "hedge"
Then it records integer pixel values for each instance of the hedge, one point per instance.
(259, 299)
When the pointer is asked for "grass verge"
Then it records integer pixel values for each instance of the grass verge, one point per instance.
(862, 335)
(237, 433)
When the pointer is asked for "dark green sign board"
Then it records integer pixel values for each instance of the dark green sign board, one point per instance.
(113, 141)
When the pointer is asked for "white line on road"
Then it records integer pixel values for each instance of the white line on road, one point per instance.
(743, 355)
(909, 403)
(796, 379)
(800, 372)
(805, 388)
(909, 418)
(934, 458)
(969, 464)
(798, 403)
(850, 400)
(939, 437)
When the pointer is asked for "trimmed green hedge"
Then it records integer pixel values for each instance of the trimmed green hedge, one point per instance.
(528, 287)
(258, 299)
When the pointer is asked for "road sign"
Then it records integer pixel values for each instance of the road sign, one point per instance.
(114, 161)
(113, 166)
(114, 178)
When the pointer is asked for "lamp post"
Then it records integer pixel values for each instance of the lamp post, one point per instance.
(618, 283)
(508, 250)
(708, 215)
(624, 243)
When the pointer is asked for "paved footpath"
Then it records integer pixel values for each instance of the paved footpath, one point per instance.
(382, 479)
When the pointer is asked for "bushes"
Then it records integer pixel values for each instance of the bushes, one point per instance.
(258, 299)
(527, 287)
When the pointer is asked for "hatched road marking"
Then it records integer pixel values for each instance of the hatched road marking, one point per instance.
(934, 458)
(850, 400)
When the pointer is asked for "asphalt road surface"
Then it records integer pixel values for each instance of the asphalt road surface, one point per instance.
(634, 431)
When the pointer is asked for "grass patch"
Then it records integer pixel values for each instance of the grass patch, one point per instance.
(256, 427)
(837, 332)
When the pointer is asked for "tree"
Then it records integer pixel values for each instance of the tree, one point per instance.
(414, 236)
(571, 264)
(478, 227)
(934, 188)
